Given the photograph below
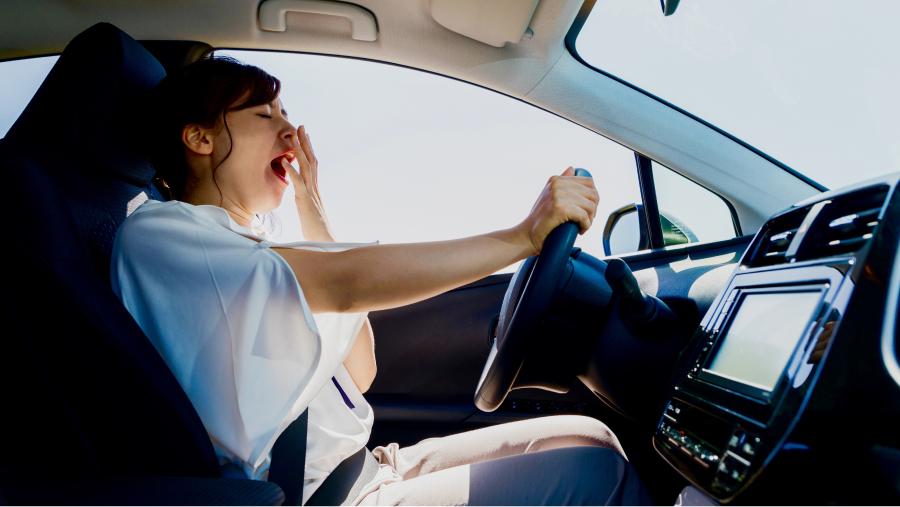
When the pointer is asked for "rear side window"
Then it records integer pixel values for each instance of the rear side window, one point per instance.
(690, 213)
(19, 79)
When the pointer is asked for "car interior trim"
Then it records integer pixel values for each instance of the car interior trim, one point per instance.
(648, 199)
(889, 332)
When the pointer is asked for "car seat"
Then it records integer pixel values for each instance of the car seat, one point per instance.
(91, 412)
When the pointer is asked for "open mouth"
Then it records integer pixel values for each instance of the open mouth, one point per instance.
(278, 168)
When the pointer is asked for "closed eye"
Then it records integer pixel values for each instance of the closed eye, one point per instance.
(264, 115)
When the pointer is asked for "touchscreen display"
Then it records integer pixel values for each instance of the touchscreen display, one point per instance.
(758, 344)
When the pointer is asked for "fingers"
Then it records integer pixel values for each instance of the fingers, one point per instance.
(586, 181)
(589, 193)
(565, 198)
(306, 143)
(306, 147)
(303, 159)
(304, 164)
(296, 177)
(575, 198)
(582, 212)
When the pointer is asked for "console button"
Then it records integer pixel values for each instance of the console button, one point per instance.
(750, 447)
(737, 438)
(748, 450)
(710, 457)
(734, 467)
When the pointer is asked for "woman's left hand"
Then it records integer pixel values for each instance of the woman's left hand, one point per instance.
(313, 220)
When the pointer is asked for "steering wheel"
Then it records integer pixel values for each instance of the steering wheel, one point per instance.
(531, 291)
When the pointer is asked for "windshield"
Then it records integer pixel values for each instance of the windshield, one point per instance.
(810, 83)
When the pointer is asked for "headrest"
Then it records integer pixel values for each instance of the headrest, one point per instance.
(88, 115)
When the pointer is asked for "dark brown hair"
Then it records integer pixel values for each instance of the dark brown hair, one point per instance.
(201, 93)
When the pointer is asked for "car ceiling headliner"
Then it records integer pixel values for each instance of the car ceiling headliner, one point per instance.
(407, 34)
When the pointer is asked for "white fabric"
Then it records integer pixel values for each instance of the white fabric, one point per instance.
(230, 319)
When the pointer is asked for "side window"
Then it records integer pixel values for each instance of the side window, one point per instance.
(688, 212)
(21, 78)
(407, 156)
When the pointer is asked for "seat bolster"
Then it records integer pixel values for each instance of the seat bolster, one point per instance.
(151, 491)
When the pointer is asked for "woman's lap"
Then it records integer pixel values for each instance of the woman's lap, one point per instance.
(582, 475)
(498, 441)
(448, 469)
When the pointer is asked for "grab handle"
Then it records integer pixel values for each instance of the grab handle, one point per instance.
(273, 15)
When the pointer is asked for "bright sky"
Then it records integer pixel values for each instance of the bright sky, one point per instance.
(812, 83)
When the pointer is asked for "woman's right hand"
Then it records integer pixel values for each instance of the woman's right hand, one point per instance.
(565, 197)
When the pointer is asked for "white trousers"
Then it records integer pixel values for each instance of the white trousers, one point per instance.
(438, 471)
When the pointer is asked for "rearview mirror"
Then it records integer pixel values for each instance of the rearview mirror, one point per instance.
(668, 6)
(626, 230)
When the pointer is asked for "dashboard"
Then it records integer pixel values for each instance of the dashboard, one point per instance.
(789, 391)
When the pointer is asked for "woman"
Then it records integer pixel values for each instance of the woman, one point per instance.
(256, 333)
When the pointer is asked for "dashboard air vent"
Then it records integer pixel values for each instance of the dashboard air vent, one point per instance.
(845, 225)
(778, 233)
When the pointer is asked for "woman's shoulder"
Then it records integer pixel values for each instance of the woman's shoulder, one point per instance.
(169, 215)
(164, 223)
(152, 209)
(177, 225)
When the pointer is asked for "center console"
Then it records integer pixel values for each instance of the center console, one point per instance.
(755, 360)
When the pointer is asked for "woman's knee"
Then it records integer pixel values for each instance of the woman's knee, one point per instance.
(596, 431)
(569, 476)
(577, 430)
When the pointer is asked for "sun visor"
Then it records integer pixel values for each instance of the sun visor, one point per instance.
(493, 22)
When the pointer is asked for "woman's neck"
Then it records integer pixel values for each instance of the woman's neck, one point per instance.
(198, 196)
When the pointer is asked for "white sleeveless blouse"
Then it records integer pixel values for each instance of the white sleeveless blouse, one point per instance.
(230, 319)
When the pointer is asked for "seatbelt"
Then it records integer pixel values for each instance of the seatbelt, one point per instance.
(346, 480)
(289, 460)
(288, 465)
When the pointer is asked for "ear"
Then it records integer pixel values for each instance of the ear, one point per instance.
(197, 139)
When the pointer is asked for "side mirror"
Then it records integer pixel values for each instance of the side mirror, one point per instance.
(626, 230)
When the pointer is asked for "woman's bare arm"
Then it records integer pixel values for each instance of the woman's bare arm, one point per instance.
(379, 277)
(360, 361)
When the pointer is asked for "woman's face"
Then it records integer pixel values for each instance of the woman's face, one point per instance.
(252, 175)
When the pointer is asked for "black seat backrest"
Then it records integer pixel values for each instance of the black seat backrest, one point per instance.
(84, 392)
(86, 126)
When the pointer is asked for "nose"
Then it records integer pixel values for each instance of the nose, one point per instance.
(287, 132)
